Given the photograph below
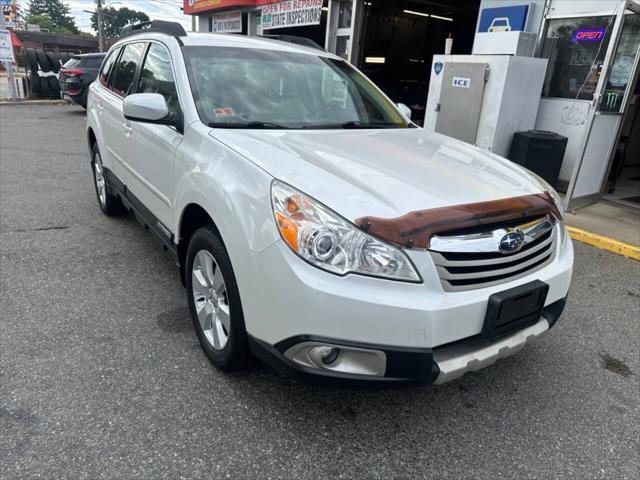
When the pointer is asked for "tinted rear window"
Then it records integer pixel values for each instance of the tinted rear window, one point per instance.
(84, 62)
(91, 62)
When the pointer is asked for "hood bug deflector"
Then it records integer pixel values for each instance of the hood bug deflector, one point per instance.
(415, 229)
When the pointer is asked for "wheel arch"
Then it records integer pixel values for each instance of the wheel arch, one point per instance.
(192, 217)
(91, 138)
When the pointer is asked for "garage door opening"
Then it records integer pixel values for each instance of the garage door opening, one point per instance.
(399, 39)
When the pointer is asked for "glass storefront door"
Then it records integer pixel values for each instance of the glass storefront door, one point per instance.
(592, 62)
(590, 174)
(343, 32)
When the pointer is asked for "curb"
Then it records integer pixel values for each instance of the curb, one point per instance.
(10, 103)
(605, 243)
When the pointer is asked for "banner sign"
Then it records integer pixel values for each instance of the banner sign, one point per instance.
(291, 13)
(192, 7)
(230, 22)
(6, 48)
(198, 6)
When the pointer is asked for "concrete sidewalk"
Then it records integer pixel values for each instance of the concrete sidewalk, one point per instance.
(610, 219)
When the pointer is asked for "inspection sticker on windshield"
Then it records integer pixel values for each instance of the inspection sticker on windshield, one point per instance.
(224, 112)
(461, 82)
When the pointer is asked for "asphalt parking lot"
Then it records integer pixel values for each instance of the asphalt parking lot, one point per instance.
(101, 374)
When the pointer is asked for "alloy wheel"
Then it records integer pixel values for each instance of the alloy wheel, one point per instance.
(99, 178)
(210, 299)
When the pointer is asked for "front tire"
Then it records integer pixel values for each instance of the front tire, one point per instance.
(109, 204)
(214, 301)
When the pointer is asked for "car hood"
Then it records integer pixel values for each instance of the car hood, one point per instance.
(383, 173)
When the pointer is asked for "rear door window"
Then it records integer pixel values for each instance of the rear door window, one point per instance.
(126, 68)
(106, 68)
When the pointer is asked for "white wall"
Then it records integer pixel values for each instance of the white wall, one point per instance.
(582, 7)
(570, 119)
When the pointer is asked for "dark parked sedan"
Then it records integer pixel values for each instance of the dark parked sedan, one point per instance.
(77, 74)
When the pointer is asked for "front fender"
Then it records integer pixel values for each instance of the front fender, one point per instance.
(234, 192)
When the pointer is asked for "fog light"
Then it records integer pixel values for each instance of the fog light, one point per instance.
(338, 358)
(324, 355)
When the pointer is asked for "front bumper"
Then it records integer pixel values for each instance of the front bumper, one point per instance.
(410, 365)
(285, 299)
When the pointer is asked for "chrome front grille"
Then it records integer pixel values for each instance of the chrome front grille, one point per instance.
(477, 260)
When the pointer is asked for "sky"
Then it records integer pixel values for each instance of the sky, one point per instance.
(155, 9)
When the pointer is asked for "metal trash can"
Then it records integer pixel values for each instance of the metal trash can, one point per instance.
(540, 151)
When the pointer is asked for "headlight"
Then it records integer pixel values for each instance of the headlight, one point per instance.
(557, 200)
(327, 241)
(555, 196)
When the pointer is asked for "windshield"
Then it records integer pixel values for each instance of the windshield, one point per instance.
(250, 88)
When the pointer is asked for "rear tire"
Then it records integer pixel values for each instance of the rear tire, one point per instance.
(214, 301)
(109, 204)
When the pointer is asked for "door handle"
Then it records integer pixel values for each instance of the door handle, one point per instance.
(100, 108)
(127, 129)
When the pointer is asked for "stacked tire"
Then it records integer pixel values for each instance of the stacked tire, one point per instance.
(43, 72)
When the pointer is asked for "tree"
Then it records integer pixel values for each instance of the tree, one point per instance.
(51, 14)
(46, 24)
(113, 21)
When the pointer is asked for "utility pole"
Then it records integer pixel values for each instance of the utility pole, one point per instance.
(99, 18)
(8, 65)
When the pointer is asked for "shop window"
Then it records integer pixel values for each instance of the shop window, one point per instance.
(342, 46)
(622, 65)
(576, 48)
(344, 13)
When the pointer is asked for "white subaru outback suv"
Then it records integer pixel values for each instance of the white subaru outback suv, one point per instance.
(313, 224)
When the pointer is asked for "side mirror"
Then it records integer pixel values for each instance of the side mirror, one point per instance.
(148, 108)
(405, 111)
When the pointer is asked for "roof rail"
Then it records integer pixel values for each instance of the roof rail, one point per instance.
(305, 42)
(170, 28)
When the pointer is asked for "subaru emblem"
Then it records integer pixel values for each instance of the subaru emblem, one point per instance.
(511, 242)
(437, 67)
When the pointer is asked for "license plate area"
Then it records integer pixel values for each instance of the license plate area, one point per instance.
(514, 309)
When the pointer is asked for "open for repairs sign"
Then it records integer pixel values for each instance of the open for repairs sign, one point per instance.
(292, 13)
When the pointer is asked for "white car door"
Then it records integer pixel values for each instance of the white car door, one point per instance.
(151, 148)
(114, 126)
(105, 116)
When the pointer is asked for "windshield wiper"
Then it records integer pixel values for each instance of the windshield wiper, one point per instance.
(353, 125)
(248, 125)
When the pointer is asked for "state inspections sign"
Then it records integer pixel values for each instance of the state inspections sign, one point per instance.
(230, 22)
(291, 13)
(6, 48)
